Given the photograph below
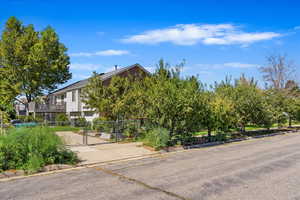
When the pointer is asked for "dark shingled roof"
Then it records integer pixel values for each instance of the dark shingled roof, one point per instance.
(104, 76)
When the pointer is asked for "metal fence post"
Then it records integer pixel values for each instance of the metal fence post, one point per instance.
(2, 118)
(85, 138)
(116, 129)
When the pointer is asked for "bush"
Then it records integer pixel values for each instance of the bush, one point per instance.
(32, 148)
(27, 118)
(62, 119)
(131, 130)
(38, 119)
(157, 138)
(80, 122)
(101, 124)
(30, 118)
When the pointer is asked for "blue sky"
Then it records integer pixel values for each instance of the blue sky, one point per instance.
(216, 38)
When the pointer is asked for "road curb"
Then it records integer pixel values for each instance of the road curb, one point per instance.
(77, 167)
(211, 144)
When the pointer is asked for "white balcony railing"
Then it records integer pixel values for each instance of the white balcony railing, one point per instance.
(42, 107)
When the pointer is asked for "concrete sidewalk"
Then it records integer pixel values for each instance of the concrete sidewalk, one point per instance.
(72, 138)
(102, 150)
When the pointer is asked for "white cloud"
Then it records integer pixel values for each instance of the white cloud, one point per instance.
(204, 72)
(227, 65)
(112, 52)
(100, 33)
(80, 76)
(85, 66)
(240, 65)
(297, 27)
(150, 69)
(109, 52)
(209, 34)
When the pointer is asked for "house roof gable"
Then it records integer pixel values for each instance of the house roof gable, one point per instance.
(105, 76)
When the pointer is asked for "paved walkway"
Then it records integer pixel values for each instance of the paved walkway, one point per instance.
(102, 150)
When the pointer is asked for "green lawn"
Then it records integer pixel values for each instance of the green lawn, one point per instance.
(64, 128)
(200, 133)
(248, 128)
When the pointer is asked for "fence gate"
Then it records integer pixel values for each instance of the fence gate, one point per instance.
(105, 132)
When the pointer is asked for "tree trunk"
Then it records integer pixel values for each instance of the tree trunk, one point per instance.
(27, 108)
(209, 133)
(243, 129)
(290, 122)
(29, 99)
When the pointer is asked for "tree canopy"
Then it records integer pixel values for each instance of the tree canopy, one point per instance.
(35, 61)
(184, 105)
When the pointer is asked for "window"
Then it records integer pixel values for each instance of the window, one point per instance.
(54, 100)
(79, 94)
(88, 113)
(73, 96)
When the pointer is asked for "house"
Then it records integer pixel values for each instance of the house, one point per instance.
(20, 107)
(68, 99)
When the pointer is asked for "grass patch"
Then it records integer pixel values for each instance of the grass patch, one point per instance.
(200, 133)
(157, 138)
(64, 128)
(30, 149)
(253, 128)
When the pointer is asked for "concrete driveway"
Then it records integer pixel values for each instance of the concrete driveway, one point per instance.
(102, 150)
(261, 169)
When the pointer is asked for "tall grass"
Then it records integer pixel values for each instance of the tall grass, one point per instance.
(157, 138)
(32, 148)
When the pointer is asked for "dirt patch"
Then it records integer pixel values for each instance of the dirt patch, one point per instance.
(14, 173)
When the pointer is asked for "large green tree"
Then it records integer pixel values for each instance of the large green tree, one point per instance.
(250, 105)
(36, 61)
(217, 112)
(172, 100)
(7, 95)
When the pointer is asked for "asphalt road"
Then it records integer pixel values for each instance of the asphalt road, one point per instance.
(265, 169)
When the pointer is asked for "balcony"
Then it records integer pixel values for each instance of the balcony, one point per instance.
(48, 108)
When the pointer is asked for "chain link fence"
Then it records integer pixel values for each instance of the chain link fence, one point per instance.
(107, 131)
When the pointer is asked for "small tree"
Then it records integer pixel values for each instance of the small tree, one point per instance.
(172, 101)
(249, 103)
(108, 100)
(278, 71)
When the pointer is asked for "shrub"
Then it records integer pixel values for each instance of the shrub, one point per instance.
(38, 119)
(101, 124)
(28, 118)
(80, 122)
(62, 119)
(157, 138)
(131, 130)
(32, 148)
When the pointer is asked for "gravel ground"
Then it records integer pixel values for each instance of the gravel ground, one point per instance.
(266, 168)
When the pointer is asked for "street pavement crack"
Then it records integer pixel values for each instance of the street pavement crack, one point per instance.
(140, 183)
